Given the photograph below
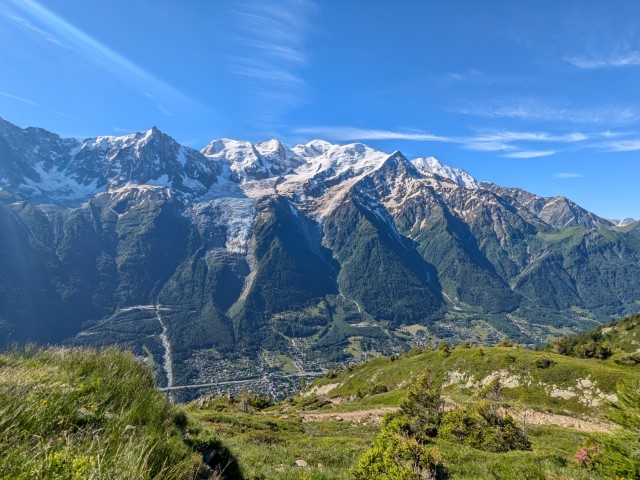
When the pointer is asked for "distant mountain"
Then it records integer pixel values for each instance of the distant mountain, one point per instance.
(557, 211)
(258, 258)
(623, 223)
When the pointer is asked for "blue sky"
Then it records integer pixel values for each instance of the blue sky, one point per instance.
(541, 95)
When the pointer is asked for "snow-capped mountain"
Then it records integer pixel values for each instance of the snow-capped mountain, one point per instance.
(263, 248)
(622, 223)
(253, 162)
(37, 163)
(150, 157)
(27, 156)
(431, 165)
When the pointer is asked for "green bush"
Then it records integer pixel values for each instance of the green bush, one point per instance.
(482, 426)
(422, 407)
(397, 456)
(593, 349)
(630, 360)
(544, 362)
(444, 349)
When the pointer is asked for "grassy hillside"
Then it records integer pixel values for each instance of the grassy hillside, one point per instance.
(543, 381)
(77, 414)
(562, 400)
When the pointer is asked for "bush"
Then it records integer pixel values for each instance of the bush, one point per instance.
(630, 360)
(396, 456)
(482, 426)
(422, 407)
(588, 456)
(544, 362)
(313, 402)
(333, 373)
(413, 351)
(402, 450)
(593, 349)
(260, 402)
(444, 349)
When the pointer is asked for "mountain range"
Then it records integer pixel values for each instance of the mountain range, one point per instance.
(260, 259)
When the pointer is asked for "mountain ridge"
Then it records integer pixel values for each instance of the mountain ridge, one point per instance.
(319, 252)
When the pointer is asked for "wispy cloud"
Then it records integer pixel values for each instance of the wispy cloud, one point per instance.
(513, 144)
(623, 145)
(58, 31)
(567, 175)
(40, 32)
(34, 104)
(269, 52)
(535, 111)
(530, 154)
(458, 77)
(510, 136)
(353, 133)
(627, 59)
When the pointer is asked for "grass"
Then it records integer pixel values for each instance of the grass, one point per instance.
(551, 457)
(476, 364)
(355, 347)
(287, 364)
(78, 414)
(268, 445)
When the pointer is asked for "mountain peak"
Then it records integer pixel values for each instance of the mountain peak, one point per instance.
(396, 167)
(272, 144)
(432, 166)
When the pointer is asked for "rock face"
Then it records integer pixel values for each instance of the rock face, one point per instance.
(320, 251)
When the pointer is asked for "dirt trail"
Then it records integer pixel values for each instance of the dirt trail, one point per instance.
(531, 417)
(373, 415)
(528, 417)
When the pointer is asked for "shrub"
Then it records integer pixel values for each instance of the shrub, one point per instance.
(593, 349)
(422, 407)
(313, 402)
(544, 362)
(260, 402)
(482, 426)
(333, 373)
(413, 351)
(396, 456)
(630, 360)
(588, 457)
